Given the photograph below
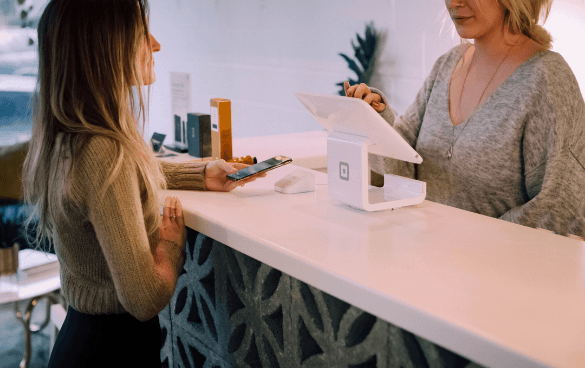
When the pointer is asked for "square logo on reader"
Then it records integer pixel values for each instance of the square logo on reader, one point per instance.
(343, 171)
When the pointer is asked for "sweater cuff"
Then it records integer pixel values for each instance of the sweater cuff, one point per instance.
(389, 113)
(188, 175)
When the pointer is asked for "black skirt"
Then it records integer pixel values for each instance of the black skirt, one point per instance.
(112, 340)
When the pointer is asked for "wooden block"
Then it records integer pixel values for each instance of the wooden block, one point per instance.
(221, 128)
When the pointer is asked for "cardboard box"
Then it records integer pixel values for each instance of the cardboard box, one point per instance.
(199, 134)
(221, 128)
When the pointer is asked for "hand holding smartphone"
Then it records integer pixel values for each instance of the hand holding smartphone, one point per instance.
(267, 165)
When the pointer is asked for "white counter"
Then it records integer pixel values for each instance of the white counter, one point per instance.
(500, 294)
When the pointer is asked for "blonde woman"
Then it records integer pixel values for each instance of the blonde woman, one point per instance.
(94, 183)
(499, 122)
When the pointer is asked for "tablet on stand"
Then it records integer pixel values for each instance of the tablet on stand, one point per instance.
(355, 129)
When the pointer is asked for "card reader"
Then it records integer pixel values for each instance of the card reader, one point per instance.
(298, 181)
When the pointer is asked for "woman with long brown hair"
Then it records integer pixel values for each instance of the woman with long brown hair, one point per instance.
(94, 183)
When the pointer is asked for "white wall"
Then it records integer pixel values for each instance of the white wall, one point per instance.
(258, 53)
(566, 23)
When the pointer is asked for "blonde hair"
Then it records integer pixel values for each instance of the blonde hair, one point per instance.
(523, 16)
(87, 69)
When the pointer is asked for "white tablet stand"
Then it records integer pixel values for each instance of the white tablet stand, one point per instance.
(354, 130)
(348, 174)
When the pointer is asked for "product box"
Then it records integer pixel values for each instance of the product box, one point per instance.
(221, 128)
(178, 135)
(180, 143)
(199, 134)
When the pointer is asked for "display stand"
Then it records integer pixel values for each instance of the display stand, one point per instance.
(349, 177)
(356, 129)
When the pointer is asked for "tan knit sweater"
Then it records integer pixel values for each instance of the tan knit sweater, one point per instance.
(106, 255)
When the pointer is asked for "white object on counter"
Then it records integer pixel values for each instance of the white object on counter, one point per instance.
(355, 130)
(298, 181)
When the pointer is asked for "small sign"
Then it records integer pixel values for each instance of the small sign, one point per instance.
(180, 104)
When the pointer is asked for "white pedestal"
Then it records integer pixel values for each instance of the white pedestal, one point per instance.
(349, 177)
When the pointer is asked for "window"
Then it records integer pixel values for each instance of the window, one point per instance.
(18, 66)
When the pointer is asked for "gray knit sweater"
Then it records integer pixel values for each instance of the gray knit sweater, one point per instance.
(520, 157)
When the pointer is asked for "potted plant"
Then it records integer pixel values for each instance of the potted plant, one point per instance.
(11, 218)
(365, 55)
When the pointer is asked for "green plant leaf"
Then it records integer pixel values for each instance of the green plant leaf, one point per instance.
(359, 55)
(364, 53)
(370, 41)
(362, 43)
(342, 90)
(352, 65)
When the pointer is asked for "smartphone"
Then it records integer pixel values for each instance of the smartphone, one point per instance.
(271, 163)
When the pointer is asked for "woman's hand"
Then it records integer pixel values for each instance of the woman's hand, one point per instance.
(216, 179)
(363, 92)
(173, 227)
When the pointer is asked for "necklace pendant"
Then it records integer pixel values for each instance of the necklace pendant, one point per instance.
(450, 152)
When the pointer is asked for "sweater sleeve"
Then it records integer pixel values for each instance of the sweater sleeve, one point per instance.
(118, 221)
(188, 175)
(553, 150)
(407, 125)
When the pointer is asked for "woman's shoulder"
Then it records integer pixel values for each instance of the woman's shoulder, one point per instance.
(101, 142)
(549, 70)
(98, 155)
(101, 163)
(98, 147)
(546, 62)
(557, 67)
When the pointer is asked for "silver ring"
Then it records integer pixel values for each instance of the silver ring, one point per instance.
(174, 215)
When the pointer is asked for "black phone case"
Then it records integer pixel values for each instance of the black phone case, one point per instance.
(234, 177)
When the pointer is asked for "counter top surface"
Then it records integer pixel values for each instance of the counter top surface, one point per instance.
(498, 293)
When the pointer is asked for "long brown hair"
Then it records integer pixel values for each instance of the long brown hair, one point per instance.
(87, 87)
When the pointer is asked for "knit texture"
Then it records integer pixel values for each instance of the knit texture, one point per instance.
(520, 157)
(106, 255)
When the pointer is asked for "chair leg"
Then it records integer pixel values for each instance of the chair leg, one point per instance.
(58, 315)
(25, 320)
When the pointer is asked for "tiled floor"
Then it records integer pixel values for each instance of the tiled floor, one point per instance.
(12, 338)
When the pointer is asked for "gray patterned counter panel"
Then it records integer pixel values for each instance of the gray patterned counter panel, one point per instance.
(230, 310)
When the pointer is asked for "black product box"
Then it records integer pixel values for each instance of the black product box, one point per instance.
(199, 134)
(177, 128)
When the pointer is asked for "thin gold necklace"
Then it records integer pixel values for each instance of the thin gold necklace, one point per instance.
(450, 150)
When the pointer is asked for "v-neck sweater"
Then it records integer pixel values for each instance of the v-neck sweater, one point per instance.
(519, 157)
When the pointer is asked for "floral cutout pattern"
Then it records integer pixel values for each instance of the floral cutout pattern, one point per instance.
(230, 310)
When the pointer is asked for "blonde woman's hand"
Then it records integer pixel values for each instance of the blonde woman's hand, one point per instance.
(173, 227)
(363, 92)
(216, 179)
